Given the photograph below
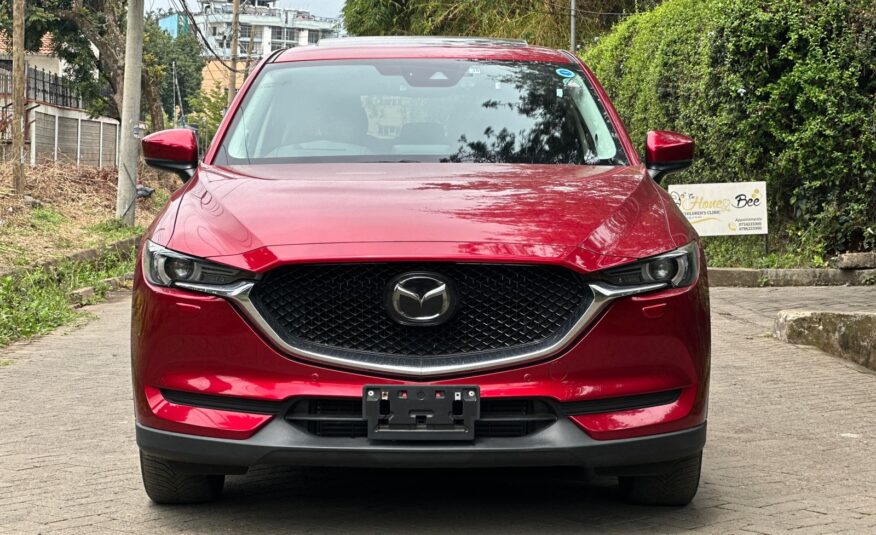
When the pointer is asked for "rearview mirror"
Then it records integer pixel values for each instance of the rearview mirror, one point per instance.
(667, 152)
(174, 150)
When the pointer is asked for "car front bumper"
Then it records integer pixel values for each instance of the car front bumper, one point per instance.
(200, 344)
(561, 444)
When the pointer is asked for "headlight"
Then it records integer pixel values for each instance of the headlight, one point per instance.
(676, 268)
(163, 267)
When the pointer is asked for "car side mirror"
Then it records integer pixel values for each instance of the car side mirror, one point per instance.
(174, 150)
(667, 152)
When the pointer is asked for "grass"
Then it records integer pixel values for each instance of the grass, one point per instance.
(160, 197)
(17, 252)
(76, 212)
(749, 252)
(45, 218)
(38, 301)
(6, 362)
(113, 230)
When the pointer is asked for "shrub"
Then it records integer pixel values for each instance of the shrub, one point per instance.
(541, 22)
(779, 90)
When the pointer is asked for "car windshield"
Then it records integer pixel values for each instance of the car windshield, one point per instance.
(433, 110)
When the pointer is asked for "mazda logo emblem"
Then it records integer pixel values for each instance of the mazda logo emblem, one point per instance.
(420, 299)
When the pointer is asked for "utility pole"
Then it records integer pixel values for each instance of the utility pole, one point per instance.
(235, 34)
(18, 96)
(573, 33)
(129, 154)
(173, 95)
(182, 110)
(248, 58)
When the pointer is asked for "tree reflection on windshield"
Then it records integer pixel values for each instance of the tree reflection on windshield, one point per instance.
(552, 136)
(429, 110)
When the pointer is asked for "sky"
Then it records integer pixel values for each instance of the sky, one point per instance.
(322, 8)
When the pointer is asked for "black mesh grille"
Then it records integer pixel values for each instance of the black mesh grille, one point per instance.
(349, 414)
(343, 306)
(342, 417)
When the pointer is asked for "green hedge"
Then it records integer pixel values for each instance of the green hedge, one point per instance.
(775, 90)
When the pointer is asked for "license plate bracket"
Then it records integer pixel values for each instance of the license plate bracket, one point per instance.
(414, 412)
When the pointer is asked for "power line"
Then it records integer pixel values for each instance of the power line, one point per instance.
(182, 109)
(206, 43)
(207, 15)
(235, 50)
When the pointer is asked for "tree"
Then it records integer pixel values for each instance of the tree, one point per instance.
(208, 107)
(377, 17)
(160, 52)
(76, 26)
(542, 22)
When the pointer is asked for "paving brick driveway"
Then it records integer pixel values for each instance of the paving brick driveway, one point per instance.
(792, 447)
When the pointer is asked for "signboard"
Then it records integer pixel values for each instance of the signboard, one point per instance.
(725, 209)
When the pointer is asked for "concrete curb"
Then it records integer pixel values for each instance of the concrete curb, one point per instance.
(122, 247)
(848, 335)
(749, 278)
(83, 296)
(855, 260)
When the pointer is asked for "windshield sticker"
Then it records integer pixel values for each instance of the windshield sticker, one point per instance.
(565, 73)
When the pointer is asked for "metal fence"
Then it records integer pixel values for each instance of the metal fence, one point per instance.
(56, 127)
(44, 87)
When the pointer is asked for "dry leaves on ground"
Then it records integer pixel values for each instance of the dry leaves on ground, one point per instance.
(75, 210)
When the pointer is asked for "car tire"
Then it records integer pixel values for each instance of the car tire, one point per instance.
(677, 485)
(165, 484)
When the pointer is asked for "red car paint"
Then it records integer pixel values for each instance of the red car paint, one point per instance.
(232, 212)
(662, 146)
(583, 218)
(178, 144)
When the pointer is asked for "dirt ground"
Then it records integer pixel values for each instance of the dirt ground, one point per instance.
(75, 210)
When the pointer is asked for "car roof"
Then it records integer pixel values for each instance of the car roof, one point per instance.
(423, 47)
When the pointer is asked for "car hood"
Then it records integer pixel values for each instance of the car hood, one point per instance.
(613, 211)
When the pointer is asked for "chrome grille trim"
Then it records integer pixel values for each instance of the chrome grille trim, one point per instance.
(603, 296)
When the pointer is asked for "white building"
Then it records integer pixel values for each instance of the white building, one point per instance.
(263, 27)
(43, 59)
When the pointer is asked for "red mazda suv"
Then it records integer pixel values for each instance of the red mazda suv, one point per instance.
(421, 252)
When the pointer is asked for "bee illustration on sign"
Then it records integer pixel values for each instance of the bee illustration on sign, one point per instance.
(744, 201)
